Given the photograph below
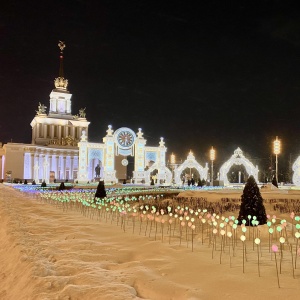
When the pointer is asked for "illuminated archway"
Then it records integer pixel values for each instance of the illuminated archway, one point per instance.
(163, 174)
(238, 158)
(123, 142)
(190, 162)
(296, 169)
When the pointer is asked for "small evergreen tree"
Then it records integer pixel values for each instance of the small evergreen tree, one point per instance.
(252, 204)
(61, 186)
(100, 193)
(44, 184)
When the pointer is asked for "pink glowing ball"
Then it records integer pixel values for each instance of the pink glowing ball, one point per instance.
(274, 248)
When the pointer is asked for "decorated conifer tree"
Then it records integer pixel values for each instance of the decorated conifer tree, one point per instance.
(100, 192)
(44, 184)
(252, 204)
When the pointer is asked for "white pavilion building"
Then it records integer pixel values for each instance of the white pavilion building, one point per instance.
(53, 152)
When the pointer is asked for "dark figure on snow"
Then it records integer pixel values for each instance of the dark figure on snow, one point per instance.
(193, 181)
(61, 187)
(252, 204)
(100, 193)
(33, 182)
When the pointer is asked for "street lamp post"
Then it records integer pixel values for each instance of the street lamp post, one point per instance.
(212, 158)
(172, 159)
(172, 163)
(277, 149)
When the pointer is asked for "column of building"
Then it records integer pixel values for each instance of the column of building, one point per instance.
(57, 175)
(82, 159)
(45, 131)
(139, 158)
(64, 167)
(52, 131)
(36, 168)
(72, 167)
(32, 165)
(59, 132)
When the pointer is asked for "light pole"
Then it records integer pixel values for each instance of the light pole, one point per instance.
(172, 159)
(172, 163)
(212, 158)
(277, 149)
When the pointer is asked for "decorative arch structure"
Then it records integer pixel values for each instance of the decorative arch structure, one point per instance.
(190, 162)
(296, 169)
(238, 158)
(163, 174)
(121, 143)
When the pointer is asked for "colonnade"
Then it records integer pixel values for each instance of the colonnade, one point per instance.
(47, 166)
(53, 131)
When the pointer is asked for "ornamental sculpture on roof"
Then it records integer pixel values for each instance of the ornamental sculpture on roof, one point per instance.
(61, 83)
(82, 113)
(61, 46)
(41, 109)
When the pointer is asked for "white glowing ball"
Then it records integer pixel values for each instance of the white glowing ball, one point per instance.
(257, 241)
(282, 240)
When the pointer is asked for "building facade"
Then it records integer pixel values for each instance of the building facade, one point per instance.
(60, 149)
(53, 152)
(110, 158)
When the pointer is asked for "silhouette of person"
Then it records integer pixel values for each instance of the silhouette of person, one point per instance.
(97, 170)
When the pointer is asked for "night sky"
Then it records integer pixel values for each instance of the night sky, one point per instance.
(219, 73)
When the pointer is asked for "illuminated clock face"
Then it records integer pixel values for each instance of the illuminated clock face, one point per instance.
(125, 139)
